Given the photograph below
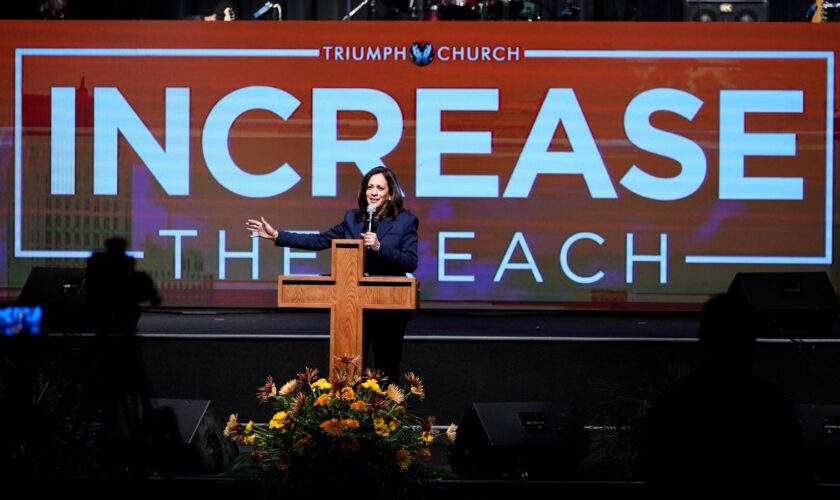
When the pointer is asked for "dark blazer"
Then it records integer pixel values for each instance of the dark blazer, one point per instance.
(397, 254)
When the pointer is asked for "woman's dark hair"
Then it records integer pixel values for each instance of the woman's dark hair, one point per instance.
(393, 205)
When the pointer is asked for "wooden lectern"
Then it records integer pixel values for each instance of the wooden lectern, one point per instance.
(346, 293)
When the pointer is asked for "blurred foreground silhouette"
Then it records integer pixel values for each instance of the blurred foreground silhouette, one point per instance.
(722, 428)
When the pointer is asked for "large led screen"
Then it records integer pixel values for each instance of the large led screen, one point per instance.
(550, 164)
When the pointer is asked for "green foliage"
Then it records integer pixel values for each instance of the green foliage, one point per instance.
(618, 428)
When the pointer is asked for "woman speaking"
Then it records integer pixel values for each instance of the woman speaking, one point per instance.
(390, 250)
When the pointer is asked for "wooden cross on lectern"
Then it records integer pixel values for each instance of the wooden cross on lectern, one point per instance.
(346, 293)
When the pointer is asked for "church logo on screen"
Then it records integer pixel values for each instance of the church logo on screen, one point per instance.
(422, 53)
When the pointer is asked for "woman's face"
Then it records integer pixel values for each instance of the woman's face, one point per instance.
(377, 191)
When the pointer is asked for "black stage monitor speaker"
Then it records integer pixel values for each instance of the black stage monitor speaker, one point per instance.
(792, 305)
(181, 436)
(820, 426)
(518, 440)
(61, 293)
(201, 430)
(732, 10)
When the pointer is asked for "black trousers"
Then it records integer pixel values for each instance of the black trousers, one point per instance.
(384, 331)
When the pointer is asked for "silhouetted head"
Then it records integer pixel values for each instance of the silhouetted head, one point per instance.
(116, 245)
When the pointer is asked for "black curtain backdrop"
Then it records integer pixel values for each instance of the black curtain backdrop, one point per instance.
(599, 10)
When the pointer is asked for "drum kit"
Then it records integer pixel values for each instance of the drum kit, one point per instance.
(490, 10)
(468, 10)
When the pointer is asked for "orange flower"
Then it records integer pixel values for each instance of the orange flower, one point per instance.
(289, 387)
(403, 458)
(302, 441)
(359, 405)
(258, 456)
(233, 429)
(283, 460)
(344, 413)
(350, 446)
(348, 394)
(350, 423)
(333, 427)
(395, 394)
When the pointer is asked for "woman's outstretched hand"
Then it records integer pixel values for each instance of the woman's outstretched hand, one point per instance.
(261, 228)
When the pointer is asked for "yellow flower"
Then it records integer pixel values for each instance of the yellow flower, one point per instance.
(289, 387)
(278, 420)
(333, 427)
(322, 384)
(336, 414)
(373, 385)
(381, 428)
(403, 458)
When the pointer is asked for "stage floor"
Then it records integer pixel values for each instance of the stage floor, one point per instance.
(426, 325)
(440, 325)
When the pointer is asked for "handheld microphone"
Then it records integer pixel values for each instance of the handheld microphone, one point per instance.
(370, 211)
(262, 10)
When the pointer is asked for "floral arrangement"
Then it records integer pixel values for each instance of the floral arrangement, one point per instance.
(340, 427)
